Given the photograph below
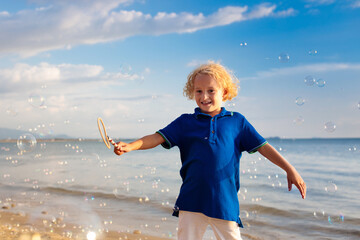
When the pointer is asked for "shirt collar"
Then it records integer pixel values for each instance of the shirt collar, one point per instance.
(223, 112)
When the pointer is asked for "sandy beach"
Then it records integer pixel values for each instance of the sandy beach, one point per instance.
(16, 226)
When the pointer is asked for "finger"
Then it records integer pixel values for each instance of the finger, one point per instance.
(289, 184)
(302, 189)
(119, 145)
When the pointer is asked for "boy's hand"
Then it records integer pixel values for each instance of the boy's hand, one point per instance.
(293, 177)
(122, 148)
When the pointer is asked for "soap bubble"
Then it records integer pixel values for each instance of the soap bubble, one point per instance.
(26, 142)
(11, 111)
(37, 101)
(274, 180)
(358, 105)
(330, 127)
(299, 101)
(144, 199)
(320, 82)
(331, 187)
(319, 214)
(244, 214)
(313, 52)
(243, 44)
(284, 57)
(125, 69)
(119, 192)
(44, 131)
(309, 80)
(231, 104)
(299, 120)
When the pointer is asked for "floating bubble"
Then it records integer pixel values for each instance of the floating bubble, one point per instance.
(299, 120)
(37, 101)
(358, 105)
(320, 82)
(329, 127)
(231, 104)
(331, 187)
(11, 111)
(125, 69)
(284, 57)
(319, 214)
(241, 196)
(118, 192)
(274, 181)
(309, 80)
(352, 149)
(141, 120)
(155, 184)
(44, 131)
(299, 101)
(313, 52)
(243, 44)
(26, 142)
(144, 199)
(244, 214)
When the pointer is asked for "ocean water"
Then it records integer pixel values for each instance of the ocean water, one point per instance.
(84, 184)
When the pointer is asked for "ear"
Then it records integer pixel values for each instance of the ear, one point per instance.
(225, 92)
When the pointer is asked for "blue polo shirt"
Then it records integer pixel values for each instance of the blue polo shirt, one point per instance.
(210, 151)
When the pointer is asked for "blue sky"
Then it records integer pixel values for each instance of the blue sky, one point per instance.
(65, 63)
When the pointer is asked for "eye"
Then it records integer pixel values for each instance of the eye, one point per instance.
(198, 91)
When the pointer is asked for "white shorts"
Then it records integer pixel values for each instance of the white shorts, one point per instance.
(192, 226)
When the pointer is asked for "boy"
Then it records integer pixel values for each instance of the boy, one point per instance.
(211, 142)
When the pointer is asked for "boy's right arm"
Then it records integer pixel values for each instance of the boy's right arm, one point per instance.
(146, 142)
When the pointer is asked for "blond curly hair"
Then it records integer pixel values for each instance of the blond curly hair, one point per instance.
(224, 77)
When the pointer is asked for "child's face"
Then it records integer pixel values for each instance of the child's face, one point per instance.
(208, 94)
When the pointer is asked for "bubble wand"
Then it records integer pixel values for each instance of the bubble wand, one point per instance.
(107, 140)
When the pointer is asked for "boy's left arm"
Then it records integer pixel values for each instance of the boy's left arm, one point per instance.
(293, 177)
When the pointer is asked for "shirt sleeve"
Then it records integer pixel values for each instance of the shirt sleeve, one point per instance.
(251, 140)
(171, 133)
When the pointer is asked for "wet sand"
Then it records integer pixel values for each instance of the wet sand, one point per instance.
(17, 226)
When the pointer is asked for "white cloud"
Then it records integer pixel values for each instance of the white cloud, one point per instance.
(195, 63)
(355, 4)
(22, 77)
(311, 68)
(4, 14)
(320, 2)
(64, 24)
(314, 3)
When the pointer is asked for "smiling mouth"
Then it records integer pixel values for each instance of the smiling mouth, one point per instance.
(206, 103)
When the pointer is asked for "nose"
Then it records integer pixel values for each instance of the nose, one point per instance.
(205, 96)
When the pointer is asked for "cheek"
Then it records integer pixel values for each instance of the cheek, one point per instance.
(219, 96)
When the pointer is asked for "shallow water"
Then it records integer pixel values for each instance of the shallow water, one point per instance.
(85, 183)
